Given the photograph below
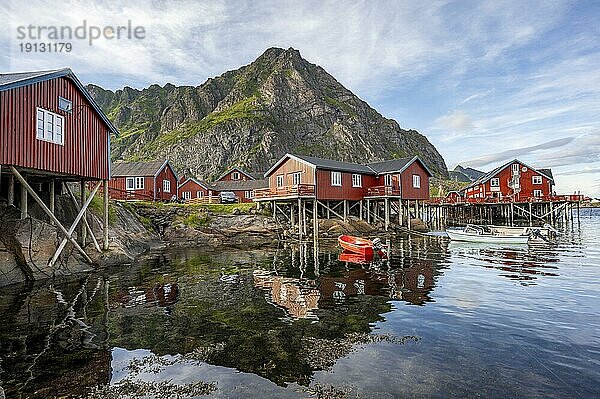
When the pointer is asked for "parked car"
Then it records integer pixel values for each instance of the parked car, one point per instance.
(228, 197)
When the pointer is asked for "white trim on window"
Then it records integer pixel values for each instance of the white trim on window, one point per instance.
(166, 186)
(249, 194)
(186, 194)
(296, 178)
(515, 168)
(537, 193)
(336, 178)
(536, 179)
(235, 175)
(387, 180)
(49, 126)
(130, 183)
(279, 180)
(199, 194)
(416, 181)
(139, 183)
(495, 182)
(356, 180)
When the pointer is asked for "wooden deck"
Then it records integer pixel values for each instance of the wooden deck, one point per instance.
(506, 200)
(285, 192)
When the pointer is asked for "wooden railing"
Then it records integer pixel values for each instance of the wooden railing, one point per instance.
(298, 190)
(504, 200)
(383, 191)
(128, 195)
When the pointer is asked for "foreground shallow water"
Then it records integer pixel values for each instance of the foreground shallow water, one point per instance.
(439, 319)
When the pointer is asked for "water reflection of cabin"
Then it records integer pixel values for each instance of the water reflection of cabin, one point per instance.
(52, 132)
(344, 188)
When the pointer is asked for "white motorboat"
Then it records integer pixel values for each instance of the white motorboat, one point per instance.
(474, 233)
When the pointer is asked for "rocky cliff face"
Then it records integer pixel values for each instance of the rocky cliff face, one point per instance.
(250, 117)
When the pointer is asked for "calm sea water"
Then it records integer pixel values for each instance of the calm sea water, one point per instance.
(438, 320)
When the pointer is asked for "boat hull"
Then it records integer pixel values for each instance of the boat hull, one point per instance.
(356, 245)
(458, 235)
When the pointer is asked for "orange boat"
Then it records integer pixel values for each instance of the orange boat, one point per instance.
(357, 245)
(353, 257)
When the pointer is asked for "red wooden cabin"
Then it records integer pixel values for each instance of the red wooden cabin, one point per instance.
(194, 188)
(147, 181)
(51, 131)
(236, 174)
(513, 181)
(296, 176)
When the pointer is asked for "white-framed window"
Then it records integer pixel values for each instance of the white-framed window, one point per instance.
(515, 168)
(166, 186)
(387, 180)
(279, 180)
(139, 183)
(249, 194)
(495, 182)
(416, 181)
(536, 179)
(130, 183)
(186, 194)
(50, 126)
(336, 178)
(537, 193)
(199, 194)
(296, 178)
(356, 180)
(235, 176)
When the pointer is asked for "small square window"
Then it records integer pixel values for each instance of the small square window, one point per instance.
(495, 182)
(296, 178)
(537, 193)
(130, 183)
(356, 180)
(65, 105)
(536, 179)
(279, 180)
(235, 176)
(139, 183)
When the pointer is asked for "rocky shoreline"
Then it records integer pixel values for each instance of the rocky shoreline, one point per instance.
(136, 228)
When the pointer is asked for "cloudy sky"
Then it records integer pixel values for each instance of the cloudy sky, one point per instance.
(485, 81)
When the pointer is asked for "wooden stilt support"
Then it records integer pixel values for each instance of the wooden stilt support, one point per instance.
(105, 216)
(345, 210)
(37, 199)
(73, 227)
(386, 204)
(23, 200)
(408, 213)
(360, 210)
(83, 231)
(315, 222)
(530, 216)
(300, 217)
(369, 211)
(329, 210)
(52, 197)
(11, 190)
(85, 222)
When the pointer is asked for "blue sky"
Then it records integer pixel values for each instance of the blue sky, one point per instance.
(486, 82)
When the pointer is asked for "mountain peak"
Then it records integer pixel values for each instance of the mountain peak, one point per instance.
(253, 115)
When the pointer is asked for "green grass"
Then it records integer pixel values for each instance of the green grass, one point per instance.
(195, 220)
(97, 207)
(244, 109)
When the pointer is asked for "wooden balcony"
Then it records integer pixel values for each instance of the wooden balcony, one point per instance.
(131, 195)
(285, 192)
(383, 191)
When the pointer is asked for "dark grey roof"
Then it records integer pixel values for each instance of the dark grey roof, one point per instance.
(231, 185)
(121, 169)
(242, 171)
(18, 79)
(547, 172)
(329, 164)
(396, 165)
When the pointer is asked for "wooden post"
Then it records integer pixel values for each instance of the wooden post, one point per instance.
(45, 209)
(304, 221)
(328, 210)
(530, 215)
(292, 215)
(552, 213)
(52, 198)
(408, 213)
(360, 209)
(24, 199)
(315, 222)
(82, 229)
(85, 222)
(105, 216)
(386, 204)
(345, 210)
(512, 214)
(11, 190)
(369, 211)
(300, 217)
